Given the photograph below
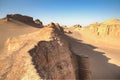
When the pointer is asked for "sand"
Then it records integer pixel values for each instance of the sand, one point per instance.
(13, 29)
(104, 58)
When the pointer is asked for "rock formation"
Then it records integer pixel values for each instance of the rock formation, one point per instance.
(56, 26)
(37, 21)
(107, 28)
(107, 31)
(19, 17)
(77, 25)
(25, 19)
(54, 59)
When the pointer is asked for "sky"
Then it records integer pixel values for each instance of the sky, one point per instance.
(64, 12)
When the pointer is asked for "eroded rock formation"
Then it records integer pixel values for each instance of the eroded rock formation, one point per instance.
(107, 28)
(77, 26)
(37, 21)
(106, 32)
(54, 60)
(25, 19)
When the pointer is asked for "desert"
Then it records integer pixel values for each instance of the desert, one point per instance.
(33, 51)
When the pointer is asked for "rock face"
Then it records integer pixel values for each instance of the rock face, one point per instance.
(44, 54)
(57, 27)
(107, 28)
(54, 60)
(25, 19)
(107, 31)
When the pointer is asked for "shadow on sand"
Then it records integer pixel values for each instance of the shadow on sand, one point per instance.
(100, 68)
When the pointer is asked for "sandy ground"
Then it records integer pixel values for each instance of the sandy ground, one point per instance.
(104, 58)
(12, 29)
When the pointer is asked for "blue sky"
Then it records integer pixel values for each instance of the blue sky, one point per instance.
(65, 12)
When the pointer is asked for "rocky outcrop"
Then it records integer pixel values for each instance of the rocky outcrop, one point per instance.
(107, 28)
(19, 17)
(77, 26)
(57, 28)
(54, 60)
(107, 32)
(37, 21)
(25, 19)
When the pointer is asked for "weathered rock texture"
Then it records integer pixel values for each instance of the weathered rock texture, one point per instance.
(25, 19)
(54, 60)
